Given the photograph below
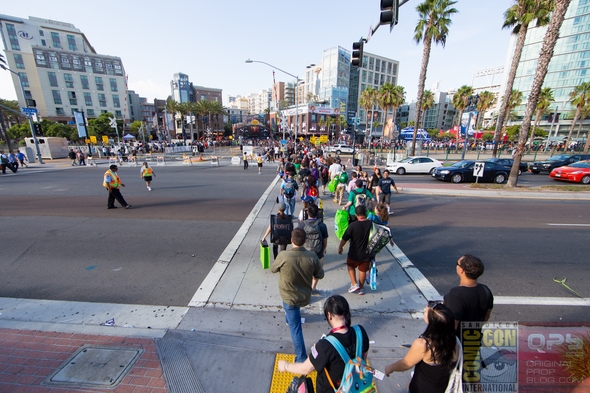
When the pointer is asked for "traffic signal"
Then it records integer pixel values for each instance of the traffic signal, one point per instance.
(389, 13)
(357, 53)
(38, 129)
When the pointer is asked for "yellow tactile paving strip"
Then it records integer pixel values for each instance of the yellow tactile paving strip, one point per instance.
(281, 381)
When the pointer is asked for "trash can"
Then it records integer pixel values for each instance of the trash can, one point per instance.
(28, 152)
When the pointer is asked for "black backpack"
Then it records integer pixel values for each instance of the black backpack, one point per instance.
(313, 237)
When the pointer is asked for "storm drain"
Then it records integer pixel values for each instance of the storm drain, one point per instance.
(95, 367)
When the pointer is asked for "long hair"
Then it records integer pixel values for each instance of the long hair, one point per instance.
(440, 335)
(381, 210)
(337, 305)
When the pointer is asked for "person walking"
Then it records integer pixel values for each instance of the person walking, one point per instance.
(281, 233)
(13, 160)
(297, 268)
(373, 182)
(357, 197)
(288, 192)
(245, 160)
(358, 233)
(259, 161)
(21, 158)
(5, 163)
(324, 357)
(316, 236)
(146, 173)
(81, 158)
(384, 185)
(434, 354)
(112, 183)
(72, 156)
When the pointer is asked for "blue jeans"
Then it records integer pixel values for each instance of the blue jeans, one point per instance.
(290, 206)
(293, 318)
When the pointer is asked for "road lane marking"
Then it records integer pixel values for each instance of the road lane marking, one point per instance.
(569, 225)
(541, 301)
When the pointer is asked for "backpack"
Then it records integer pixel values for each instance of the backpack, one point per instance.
(379, 236)
(280, 230)
(325, 173)
(357, 376)
(312, 191)
(343, 178)
(289, 188)
(313, 237)
(360, 199)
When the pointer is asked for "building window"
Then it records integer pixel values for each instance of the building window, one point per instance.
(28, 95)
(371, 60)
(84, 80)
(90, 112)
(389, 67)
(118, 114)
(104, 111)
(60, 111)
(69, 81)
(72, 98)
(56, 97)
(394, 69)
(12, 36)
(99, 84)
(43, 42)
(56, 40)
(88, 99)
(377, 64)
(41, 33)
(23, 78)
(203, 97)
(113, 84)
(72, 42)
(52, 79)
(370, 77)
(116, 102)
(102, 100)
(18, 59)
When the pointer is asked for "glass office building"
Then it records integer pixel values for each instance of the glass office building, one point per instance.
(568, 67)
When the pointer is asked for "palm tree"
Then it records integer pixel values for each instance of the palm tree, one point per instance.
(545, 56)
(580, 98)
(368, 100)
(583, 115)
(391, 97)
(427, 103)
(545, 100)
(486, 100)
(433, 25)
(184, 108)
(170, 109)
(518, 17)
(460, 101)
(342, 122)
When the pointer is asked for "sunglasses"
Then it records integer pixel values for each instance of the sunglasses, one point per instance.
(434, 303)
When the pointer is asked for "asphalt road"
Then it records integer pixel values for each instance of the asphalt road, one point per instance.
(60, 242)
(515, 238)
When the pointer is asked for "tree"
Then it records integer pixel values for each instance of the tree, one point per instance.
(390, 97)
(102, 125)
(59, 130)
(545, 56)
(518, 17)
(580, 98)
(545, 100)
(368, 100)
(486, 100)
(460, 101)
(135, 126)
(427, 103)
(433, 25)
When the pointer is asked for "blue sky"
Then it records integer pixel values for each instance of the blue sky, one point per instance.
(210, 40)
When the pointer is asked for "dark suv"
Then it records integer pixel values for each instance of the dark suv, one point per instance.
(557, 161)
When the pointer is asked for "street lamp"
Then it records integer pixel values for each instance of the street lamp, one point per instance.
(296, 87)
(30, 116)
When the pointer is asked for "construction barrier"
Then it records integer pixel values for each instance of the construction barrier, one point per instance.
(187, 160)
(149, 157)
(161, 161)
(236, 160)
(214, 161)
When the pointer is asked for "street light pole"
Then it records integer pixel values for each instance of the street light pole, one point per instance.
(296, 87)
(20, 81)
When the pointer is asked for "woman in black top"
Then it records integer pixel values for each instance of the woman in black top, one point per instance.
(433, 355)
(323, 357)
(284, 238)
(373, 183)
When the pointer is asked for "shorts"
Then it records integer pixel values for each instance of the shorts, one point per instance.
(362, 266)
(147, 178)
(385, 198)
(259, 165)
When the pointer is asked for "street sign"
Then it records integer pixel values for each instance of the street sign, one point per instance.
(29, 111)
(478, 169)
(113, 122)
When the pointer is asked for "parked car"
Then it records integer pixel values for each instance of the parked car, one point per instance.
(418, 164)
(557, 161)
(462, 171)
(523, 167)
(339, 149)
(578, 172)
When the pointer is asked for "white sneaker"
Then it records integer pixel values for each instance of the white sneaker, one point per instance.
(149, 188)
(353, 288)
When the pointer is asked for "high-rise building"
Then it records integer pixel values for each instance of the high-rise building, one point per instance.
(182, 88)
(569, 66)
(60, 71)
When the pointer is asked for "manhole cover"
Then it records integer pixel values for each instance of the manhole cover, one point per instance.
(95, 366)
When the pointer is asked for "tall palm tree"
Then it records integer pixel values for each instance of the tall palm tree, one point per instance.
(170, 110)
(198, 111)
(545, 100)
(460, 101)
(545, 56)
(580, 98)
(427, 103)
(518, 17)
(485, 102)
(184, 108)
(368, 100)
(583, 115)
(342, 122)
(433, 25)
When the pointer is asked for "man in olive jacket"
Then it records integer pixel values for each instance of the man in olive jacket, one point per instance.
(297, 268)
